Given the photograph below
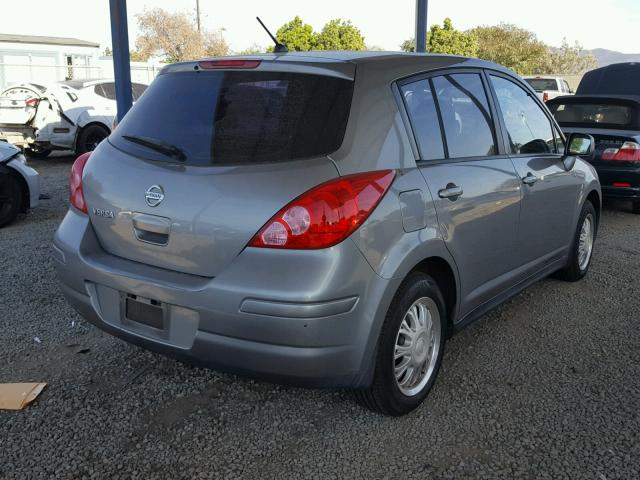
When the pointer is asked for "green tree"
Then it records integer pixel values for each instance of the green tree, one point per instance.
(252, 50)
(511, 46)
(567, 60)
(339, 34)
(446, 39)
(297, 36)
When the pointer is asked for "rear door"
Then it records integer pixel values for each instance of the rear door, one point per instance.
(475, 187)
(232, 149)
(549, 192)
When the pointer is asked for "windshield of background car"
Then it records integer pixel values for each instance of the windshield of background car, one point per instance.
(542, 84)
(234, 117)
(593, 114)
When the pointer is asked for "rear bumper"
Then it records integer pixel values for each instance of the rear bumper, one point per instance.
(310, 326)
(19, 136)
(620, 182)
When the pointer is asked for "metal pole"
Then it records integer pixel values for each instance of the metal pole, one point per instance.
(121, 63)
(198, 14)
(421, 25)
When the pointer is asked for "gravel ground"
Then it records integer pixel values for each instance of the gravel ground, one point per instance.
(547, 386)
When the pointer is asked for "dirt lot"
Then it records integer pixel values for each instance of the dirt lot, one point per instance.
(547, 386)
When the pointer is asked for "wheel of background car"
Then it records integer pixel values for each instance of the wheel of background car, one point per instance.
(410, 348)
(89, 138)
(581, 252)
(636, 207)
(36, 152)
(10, 198)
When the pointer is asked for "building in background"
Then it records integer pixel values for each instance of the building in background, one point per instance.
(42, 60)
(31, 58)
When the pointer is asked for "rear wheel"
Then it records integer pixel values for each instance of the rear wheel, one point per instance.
(90, 137)
(636, 207)
(10, 198)
(582, 247)
(37, 152)
(410, 348)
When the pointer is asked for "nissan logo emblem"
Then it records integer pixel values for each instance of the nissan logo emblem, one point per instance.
(154, 195)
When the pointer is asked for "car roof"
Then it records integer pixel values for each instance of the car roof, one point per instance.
(617, 78)
(78, 84)
(419, 60)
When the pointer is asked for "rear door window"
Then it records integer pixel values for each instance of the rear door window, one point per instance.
(542, 84)
(137, 90)
(465, 113)
(528, 127)
(237, 117)
(422, 112)
(106, 90)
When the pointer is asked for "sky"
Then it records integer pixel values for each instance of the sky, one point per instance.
(610, 24)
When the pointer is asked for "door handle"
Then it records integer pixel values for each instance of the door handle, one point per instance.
(530, 179)
(452, 192)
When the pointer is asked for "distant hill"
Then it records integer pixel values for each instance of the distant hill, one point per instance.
(607, 57)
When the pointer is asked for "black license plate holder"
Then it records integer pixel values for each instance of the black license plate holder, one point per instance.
(144, 311)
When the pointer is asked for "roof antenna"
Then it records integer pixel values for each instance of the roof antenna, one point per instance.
(279, 48)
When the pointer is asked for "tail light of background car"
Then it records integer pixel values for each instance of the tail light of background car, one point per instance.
(327, 214)
(628, 152)
(76, 195)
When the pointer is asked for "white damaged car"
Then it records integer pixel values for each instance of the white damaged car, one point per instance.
(19, 184)
(72, 115)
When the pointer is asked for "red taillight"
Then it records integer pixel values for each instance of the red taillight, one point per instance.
(545, 96)
(76, 196)
(32, 102)
(628, 152)
(212, 64)
(621, 185)
(326, 214)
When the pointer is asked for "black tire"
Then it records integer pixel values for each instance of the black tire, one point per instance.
(10, 198)
(89, 138)
(384, 394)
(36, 152)
(636, 207)
(573, 271)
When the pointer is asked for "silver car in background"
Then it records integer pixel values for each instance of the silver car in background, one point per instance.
(19, 184)
(325, 218)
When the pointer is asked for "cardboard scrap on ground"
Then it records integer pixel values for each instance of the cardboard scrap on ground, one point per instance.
(16, 396)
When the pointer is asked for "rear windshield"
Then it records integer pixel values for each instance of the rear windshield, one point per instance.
(593, 114)
(232, 117)
(542, 84)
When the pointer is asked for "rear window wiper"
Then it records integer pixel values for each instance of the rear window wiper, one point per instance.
(164, 148)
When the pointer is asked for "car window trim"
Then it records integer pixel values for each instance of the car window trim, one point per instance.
(496, 127)
(552, 123)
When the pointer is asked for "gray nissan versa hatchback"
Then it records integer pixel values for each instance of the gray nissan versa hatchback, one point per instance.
(324, 218)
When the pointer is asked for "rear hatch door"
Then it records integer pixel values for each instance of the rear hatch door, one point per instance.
(205, 158)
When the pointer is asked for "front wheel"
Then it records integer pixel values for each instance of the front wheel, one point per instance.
(636, 207)
(410, 348)
(582, 247)
(10, 198)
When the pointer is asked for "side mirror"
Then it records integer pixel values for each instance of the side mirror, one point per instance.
(578, 145)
